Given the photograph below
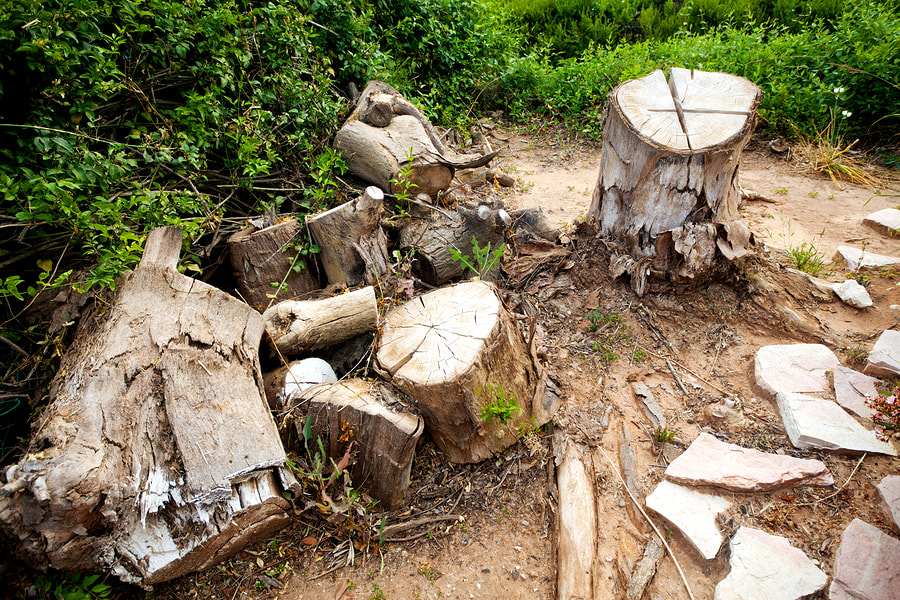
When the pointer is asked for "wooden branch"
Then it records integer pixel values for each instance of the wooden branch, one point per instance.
(577, 526)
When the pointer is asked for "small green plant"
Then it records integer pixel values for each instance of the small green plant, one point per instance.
(325, 169)
(813, 194)
(71, 587)
(857, 355)
(664, 435)
(886, 411)
(806, 258)
(401, 185)
(639, 354)
(483, 260)
(377, 593)
(782, 191)
(502, 405)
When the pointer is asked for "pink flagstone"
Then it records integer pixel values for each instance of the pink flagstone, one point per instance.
(866, 565)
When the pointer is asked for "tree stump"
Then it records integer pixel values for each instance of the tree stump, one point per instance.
(384, 429)
(668, 183)
(157, 455)
(354, 247)
(458, 353)
(297, 326)
(263, 257)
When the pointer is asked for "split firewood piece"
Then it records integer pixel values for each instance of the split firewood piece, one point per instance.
(297, 326)
(458, 353)
(668, 184)
(263, 257)
(385, 132)
(576, 524)
(434, 238)
(372, 417)
(157, 455)
(354, 247)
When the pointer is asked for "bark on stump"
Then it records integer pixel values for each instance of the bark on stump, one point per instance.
(261, 257)
(384, 431)
(455, 352)
(668, 185)
(157, 455)
(384, 131)
(354, 247)
(297, 326)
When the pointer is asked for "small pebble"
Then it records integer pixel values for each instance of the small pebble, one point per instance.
(524, 523)
(515, 575)
(622, 502)
(609, 559)
(485, 570)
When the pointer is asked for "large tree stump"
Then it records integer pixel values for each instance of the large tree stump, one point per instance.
(354, 247)
(263, 257)
(157, 455)
(297, 326)
(384, 132)
(668, 182)
(457, 351)
(384, 430)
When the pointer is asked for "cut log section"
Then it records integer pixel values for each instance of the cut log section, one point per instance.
(297, 326)
(576, 525)
(370, 415)
(384, 131)
(263, 257)
(668, 184)
(457, 352)
(157, 455)
(354, 247)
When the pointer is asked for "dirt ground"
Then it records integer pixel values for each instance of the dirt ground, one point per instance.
(501, 542)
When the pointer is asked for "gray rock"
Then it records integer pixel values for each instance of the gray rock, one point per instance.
(815, 423)
(794, 367)
(853, 294)
(860, 259)
(885, 221)
(884, 358)
(708, 461)
(767, 567)
(866, 565)
(851, 388)
(889, 492)
(692, 512)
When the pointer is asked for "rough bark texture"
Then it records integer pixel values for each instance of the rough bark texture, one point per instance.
(384, 130)
(384, 431)
(668, 185)
(261, 257)
(354, 247)
(576, 526)
(433, 238)
(297, 326)
(157, 455)
(453, 351)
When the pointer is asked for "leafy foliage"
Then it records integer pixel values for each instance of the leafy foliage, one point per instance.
(502, 405)
(483, 259)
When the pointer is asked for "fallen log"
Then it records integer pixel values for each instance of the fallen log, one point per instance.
(264, 264)
(371, 415)
(576, 526)
(668, 185)
(354, 247)
(157, 455)
(297, 326)
(458, 353)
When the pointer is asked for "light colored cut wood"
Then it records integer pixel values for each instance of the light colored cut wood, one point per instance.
(576, 526)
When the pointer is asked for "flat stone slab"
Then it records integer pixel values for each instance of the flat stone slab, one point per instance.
(859, 259)
(885, 221)
(692, 512)
(866, 566)
(853, 294)
(884, 358)
(889, 492)
(815, 423)
(767, 566)
(709, 461)
(794, 367)
(851, 388)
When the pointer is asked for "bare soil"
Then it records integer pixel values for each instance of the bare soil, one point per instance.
(502, 543)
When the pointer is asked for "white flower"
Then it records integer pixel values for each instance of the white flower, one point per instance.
(839, 90)
(846, 113)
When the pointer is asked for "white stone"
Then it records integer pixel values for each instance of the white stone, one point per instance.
(765, 566)
(884, 358)
(794, 367)
(886, 221)
(303, 374)
(851, 389)
(860, 259)
(852, 293)
(889, 492)
(815, 423)
(692, 512)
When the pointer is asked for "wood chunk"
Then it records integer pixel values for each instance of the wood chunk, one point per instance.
(577, 526)
(157, 455)
(371, 415)
(644, 570)
(297, 326)
(354, 247)
(455, 351)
